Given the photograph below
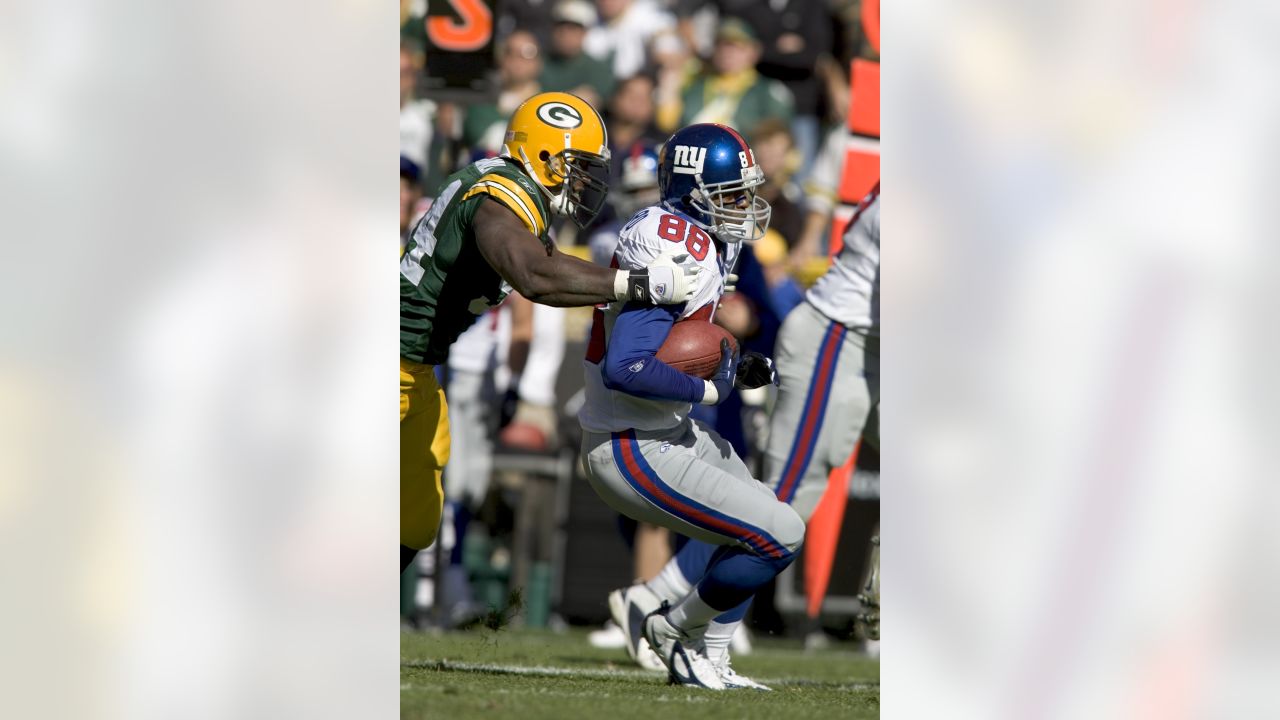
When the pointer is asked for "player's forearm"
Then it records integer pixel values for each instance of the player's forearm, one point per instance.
(649, 378)
(630, 365)
(565, 281)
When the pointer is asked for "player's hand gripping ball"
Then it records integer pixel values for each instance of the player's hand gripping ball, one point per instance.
(721, 381)
(693, 347)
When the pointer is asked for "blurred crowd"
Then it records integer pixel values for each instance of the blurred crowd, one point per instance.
(776, 71)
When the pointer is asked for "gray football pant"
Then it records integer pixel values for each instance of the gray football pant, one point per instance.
(829, 385)
(472, 401)
(690, 480)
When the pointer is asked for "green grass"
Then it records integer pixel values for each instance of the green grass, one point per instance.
(531, 675)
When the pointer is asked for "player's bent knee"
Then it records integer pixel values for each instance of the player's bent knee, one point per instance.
(788, 528)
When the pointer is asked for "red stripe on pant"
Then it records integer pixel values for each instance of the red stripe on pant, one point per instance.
(629, 453)
(813, 406)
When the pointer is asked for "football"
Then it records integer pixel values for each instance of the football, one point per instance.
(693, 347)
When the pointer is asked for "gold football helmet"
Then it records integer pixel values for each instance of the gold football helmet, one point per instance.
(561, 142)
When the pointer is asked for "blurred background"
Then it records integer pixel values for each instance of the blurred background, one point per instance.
(800, 80)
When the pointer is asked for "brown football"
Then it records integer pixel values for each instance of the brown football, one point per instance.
(693, 347)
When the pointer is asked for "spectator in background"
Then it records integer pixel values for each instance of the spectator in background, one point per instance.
(635, 187)
(624, 31)
(820, 198)
(519, 65)
(410, 194)
(733, 93)
(417, 116)
(629, 119)
(412, 23)
(797, 40)
(568, 68)
(776, 153)
(784, 292)
(531, 16)
(675, 66)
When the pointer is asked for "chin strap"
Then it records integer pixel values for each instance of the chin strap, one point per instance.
(559, 203)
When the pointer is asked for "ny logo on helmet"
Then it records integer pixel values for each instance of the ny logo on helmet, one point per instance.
(559, 115)
(688, 160)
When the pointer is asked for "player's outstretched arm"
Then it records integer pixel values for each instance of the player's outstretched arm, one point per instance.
(565, 281)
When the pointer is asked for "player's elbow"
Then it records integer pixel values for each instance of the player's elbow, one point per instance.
(612, 375)
(619, 373)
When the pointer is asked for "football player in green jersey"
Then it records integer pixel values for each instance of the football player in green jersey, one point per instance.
(487, 233)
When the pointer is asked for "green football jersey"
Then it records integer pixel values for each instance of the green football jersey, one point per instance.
(445, 283)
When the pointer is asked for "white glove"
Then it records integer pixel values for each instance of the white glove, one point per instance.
(667, 281)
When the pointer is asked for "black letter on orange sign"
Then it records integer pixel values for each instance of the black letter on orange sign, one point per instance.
(472, 32)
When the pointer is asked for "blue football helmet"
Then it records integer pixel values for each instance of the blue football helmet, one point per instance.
(708, 172)
(639, 183)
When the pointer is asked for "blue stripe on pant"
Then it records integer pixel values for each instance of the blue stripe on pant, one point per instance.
(809, 428)
(644, 480)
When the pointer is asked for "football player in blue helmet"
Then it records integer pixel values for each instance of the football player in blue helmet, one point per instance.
(707, 182)
(639, 186)
(708, 173)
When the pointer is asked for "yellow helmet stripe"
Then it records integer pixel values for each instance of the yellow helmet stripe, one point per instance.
(511, 195)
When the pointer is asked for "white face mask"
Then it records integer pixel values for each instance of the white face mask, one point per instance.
(741, 231)
(737, 224)
(737, 214)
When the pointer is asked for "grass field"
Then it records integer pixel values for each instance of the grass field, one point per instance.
(534, 675)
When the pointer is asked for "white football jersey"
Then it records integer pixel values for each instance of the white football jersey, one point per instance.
(849, 292)
(650, 232)
(480, 347)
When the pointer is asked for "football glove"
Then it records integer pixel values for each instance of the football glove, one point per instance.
(755, 370)
(667, 281)
(507, 406)
(717, 388)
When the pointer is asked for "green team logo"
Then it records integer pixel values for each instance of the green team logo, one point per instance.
(558, 114)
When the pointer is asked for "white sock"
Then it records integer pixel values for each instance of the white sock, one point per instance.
(670, 584)
(717, 639)
(692, 615)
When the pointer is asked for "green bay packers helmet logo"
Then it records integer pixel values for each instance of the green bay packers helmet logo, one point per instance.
(558, 114)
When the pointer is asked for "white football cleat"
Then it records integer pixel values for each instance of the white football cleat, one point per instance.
(733, 681)
(609, 637)
(683, 654)
(629, 606)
